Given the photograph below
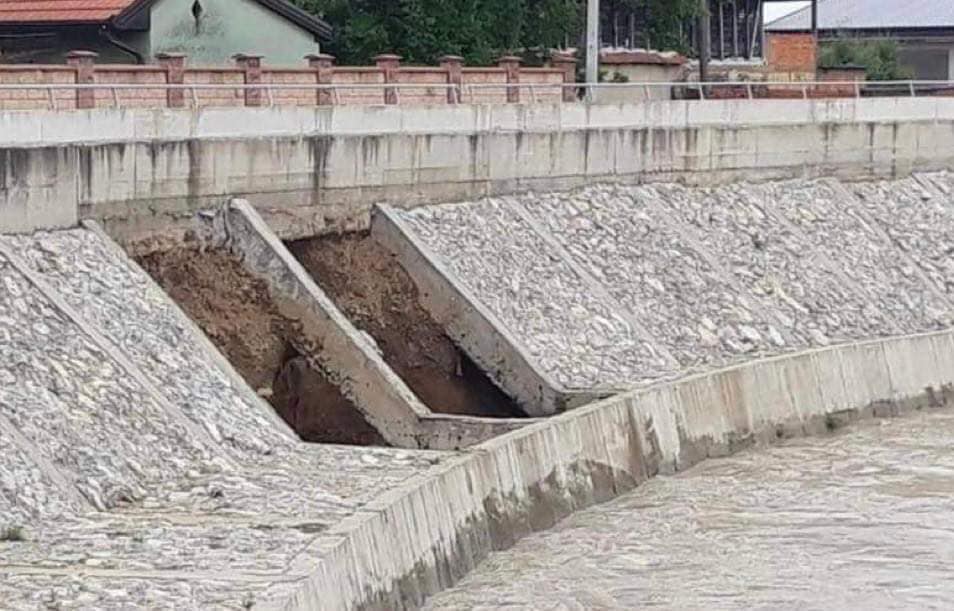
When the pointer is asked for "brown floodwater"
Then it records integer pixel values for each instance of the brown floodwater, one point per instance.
(862, 519)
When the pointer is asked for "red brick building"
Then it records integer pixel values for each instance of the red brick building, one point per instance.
(924, 29)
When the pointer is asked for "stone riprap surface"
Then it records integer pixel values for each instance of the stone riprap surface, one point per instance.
(624, 238)
(938, 183)
(124, 305)
(707, 276)
(577, 334)
(892, 291)
(919, 223)
(136, 473)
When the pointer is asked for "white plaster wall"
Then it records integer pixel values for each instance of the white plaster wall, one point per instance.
(227, 27)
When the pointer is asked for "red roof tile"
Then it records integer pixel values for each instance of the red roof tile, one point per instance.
(52, 11)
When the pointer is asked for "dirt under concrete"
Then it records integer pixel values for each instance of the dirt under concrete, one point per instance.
(368, 284)
(237, 313)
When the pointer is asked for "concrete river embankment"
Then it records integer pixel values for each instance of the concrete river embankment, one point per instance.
(856, 520)
(515, 359)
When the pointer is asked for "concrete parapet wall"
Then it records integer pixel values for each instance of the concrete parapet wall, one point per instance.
(419, 539)
(346, 354)
(143, 173)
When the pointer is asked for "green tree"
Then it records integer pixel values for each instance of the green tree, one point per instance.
(878, 58)
(423, 30)
(482, 30)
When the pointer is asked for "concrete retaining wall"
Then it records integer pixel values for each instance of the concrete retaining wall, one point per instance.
(345, 354)
(472, 327)
(422, 538)
(312, 170)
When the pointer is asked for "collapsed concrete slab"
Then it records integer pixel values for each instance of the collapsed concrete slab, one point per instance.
(138, 470)
(347, 354)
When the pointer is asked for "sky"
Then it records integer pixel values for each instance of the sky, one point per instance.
(774, 10)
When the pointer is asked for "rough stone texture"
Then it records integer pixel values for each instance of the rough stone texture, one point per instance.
(111, 439)
(135, 473)
(895, 296)
(625, 239)
(918, 222)
(577, 336)
(136, 316)
(707, 275)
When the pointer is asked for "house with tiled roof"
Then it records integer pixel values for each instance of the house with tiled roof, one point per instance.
(924, 29)
(135, 31)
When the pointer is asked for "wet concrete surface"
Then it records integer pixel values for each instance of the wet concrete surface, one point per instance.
(859, 519)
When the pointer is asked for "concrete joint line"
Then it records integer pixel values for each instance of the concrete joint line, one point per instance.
(927, 183)
(36, 455)
(876, 229)
(197, 335)
(115, 354)
(820, 255)
(591, 283)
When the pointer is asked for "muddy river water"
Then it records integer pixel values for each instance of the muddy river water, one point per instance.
(861, 519)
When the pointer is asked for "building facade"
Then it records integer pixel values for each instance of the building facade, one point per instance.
(924, 31)
(135, 31)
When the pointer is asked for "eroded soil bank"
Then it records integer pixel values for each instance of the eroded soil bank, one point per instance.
(378, 296)
(234, 309)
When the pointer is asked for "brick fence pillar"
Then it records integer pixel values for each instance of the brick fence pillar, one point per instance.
(566, 62)
(454, 66)
(324, 67)
(174, 65)
(389, 65)
(252, 66)
(85, 64)
(511, 63)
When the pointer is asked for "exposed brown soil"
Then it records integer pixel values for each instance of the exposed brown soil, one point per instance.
(372, 289)
(235, 311)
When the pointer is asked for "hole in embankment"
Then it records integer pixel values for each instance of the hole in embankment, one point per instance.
(235, 311)
(377, 295)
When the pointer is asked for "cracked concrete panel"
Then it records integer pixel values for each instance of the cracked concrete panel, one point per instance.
(898, 297)
(579, 338)
(688, 303)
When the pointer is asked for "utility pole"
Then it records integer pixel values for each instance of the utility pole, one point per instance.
(592, 46)
(705, 40)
